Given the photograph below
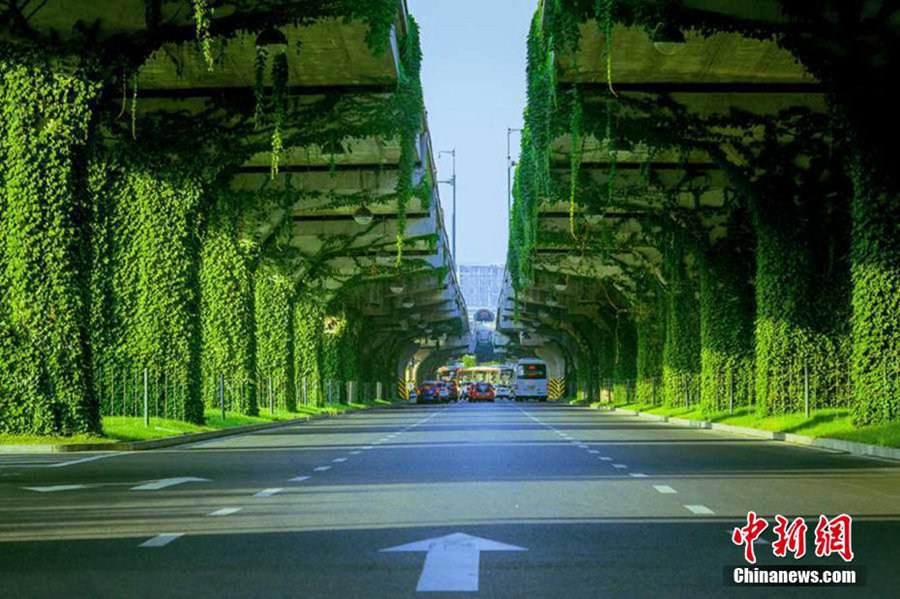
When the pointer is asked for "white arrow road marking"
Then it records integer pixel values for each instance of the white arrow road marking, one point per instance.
(164, 483)
(699, 509)
(665, 489)
(452, 562)
(162, 540)
(56, 488)
(299, 479)
(268, 492)
(226, 511)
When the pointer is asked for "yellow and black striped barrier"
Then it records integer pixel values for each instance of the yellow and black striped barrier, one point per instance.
(556, 388)
(402, 391)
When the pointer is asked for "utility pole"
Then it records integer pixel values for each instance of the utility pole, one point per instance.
(452, 181)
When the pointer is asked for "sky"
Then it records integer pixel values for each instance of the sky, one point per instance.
(473, 74)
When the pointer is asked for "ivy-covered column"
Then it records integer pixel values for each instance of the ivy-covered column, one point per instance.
(726, 327)
(625, 360)
(309, 331)
(681, 350)
(157, 282)
(45, 375)
(350, 358)
(801, 302)
(227, 277)
(650, 330)
(875, 257)
(275, 337)
(331, 369)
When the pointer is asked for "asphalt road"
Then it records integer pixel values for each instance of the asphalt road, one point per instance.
(601, 505)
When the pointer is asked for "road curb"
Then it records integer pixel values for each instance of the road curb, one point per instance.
(852, 447)
(126, 446)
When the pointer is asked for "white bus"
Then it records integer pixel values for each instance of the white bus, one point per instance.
(531, 379)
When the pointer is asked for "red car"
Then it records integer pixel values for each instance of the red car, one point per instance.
(481, 392)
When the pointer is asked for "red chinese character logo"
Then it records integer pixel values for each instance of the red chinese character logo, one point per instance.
(746, 535)
(833, 536)
(790, 537)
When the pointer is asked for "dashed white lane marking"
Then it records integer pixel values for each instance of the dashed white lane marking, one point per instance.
(699, 509)
(582, 446)
(593, 451)
(665, 489)
(756, 541)
(619, 466)
(606, 459)
(299, 479)
(321, 468)
(226, 511)
(83, 460)
(165, 483)
(162, 540)
(268, 492)
(55, 488)
(339, 460)
(637, 475)
(355, 452)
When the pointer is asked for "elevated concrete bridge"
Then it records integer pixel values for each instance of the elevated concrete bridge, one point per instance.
(300, 126)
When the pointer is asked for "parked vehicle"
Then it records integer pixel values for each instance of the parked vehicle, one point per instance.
(481, 392)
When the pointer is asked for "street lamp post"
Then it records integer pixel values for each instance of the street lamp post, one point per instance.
(452, 181)
(509, 164)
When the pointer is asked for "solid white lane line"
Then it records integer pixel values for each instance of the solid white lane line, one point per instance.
(619, 466)
(699, 509)
(226, 511)
(665, 489)
(299, 479)
(162, 540)
(321, 468)
(637, 475)
(339, 460)
(268, 492)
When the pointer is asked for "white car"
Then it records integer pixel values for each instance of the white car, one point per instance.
(504, 391)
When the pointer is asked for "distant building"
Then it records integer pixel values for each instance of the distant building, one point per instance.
(481, 287)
